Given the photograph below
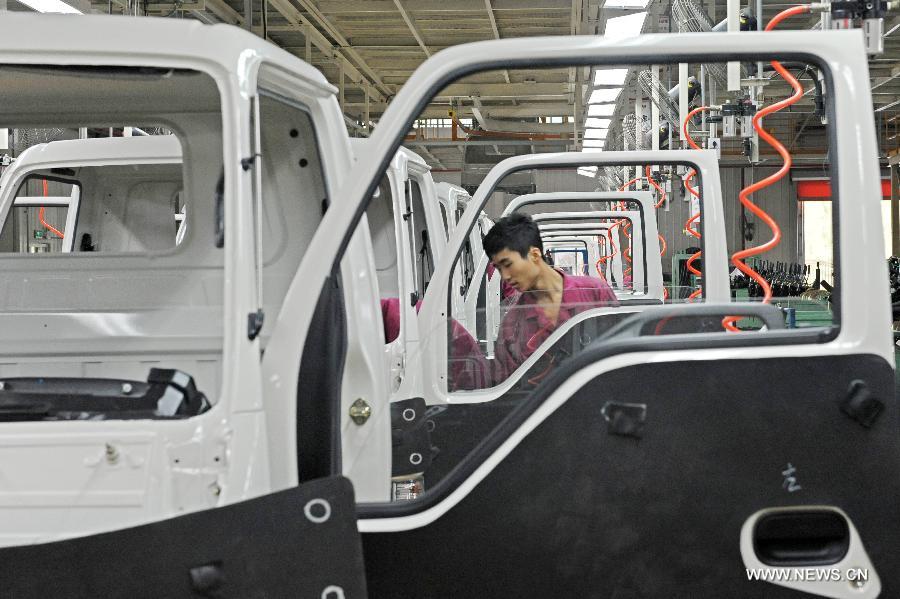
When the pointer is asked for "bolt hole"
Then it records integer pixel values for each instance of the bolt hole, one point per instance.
(294, 133)
(317, 510)
(333, 592)
(303, 162)
(177, 461)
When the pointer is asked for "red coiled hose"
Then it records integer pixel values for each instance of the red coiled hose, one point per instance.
(626, 226)
(41, 215)
(601, 241)
(738, 257)
(694, 217)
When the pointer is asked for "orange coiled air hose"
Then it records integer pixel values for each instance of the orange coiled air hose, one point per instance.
(694, 217)
(41, 214)
(738, 257)
(601, 241)
(626, 226)
(660, 202)
(615, 249)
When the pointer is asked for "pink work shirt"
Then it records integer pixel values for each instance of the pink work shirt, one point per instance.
(525, 326)
(467, 365)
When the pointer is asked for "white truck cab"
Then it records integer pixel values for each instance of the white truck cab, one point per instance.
(407, 238)
(605, 261)
(586, 234)
(142, 173)
(643, 259)
(264, 148)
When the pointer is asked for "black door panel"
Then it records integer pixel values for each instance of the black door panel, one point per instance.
(581, 509)
(262, 548)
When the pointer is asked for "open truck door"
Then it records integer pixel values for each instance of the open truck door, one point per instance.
(590, 483)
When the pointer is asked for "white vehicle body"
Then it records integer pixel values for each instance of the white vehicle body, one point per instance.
(225, 454)
(561, 247)
(465, 304)
(453, 200)
(611, 270)
(650, 288)
(407, 240)
(716, 275)
(77, 153)
(646, 268)
(247, 444)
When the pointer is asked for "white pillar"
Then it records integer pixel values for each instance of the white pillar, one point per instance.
(734, 24)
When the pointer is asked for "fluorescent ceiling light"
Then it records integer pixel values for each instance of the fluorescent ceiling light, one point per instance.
(604, 95)
(594, 143)
(595, 133)
(591, 149)
(627, 26)
(601, 109)
(51, 6)
(587, 171)
(610, 76)
(595, 123)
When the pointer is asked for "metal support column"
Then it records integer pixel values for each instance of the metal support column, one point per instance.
(682, 99)
(307, 34)
(895, 210)
(368, 126)
(654, 110)
(638, 136)
(341, 86)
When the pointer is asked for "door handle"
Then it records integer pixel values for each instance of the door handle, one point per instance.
(812, 537)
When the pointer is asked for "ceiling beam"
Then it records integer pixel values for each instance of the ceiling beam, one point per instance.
(412, 27)
(300, 24)
(224, 12)
(490, 11)
(506, 90)
(343, 45)
(439, 111)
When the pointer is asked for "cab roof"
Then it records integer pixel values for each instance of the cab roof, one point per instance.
(130, 41)
(118, 150)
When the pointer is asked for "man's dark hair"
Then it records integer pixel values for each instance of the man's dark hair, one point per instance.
(516, 232)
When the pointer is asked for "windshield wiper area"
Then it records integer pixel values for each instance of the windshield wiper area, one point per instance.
(167, 394)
